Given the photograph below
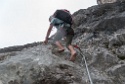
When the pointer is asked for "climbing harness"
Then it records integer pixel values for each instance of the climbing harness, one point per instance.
(83, 58)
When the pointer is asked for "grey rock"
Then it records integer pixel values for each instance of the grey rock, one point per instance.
(99, 32)
(107, 1)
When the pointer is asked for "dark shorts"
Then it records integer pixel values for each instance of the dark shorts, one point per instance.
(69, 40)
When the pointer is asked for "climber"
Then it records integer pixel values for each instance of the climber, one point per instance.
(62, 20)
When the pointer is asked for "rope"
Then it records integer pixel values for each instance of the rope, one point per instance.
(83, 58)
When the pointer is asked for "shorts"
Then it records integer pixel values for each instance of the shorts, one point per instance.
(60, 34)
(69, 40)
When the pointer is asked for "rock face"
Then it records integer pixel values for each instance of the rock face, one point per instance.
(37, 65)
(107, 1)
(100, 33)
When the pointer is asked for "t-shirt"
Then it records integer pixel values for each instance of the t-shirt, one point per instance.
(58, 23)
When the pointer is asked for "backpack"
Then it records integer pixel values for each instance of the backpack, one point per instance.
(64, 16)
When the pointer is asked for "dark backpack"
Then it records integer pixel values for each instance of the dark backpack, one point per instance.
(64, 16)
